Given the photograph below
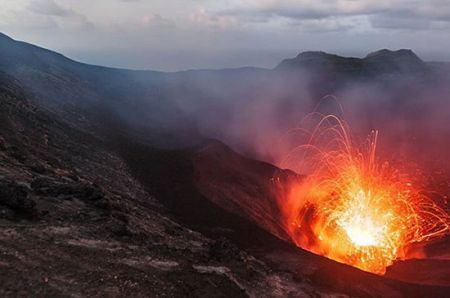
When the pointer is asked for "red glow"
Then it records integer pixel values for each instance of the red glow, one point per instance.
(352, 207)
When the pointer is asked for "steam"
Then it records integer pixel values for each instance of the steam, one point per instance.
(251, 110)
(254, 114)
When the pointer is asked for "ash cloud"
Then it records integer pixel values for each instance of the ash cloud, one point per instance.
(251, 110)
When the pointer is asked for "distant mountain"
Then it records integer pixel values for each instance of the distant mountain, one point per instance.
(323, 62)
(383, 62)
(401, 61)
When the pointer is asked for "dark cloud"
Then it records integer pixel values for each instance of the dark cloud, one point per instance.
(302, 9)
(388, 21)
(401, 14)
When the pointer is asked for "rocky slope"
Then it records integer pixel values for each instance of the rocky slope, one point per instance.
(251, 189)
(75, 222)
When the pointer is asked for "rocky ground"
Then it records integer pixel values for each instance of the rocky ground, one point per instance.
(75, 222)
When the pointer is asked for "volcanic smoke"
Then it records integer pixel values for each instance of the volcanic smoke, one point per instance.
(352, 207)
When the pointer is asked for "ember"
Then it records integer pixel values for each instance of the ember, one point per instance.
(353, 208)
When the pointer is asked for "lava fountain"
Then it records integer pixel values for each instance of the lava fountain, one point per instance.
(353, 208)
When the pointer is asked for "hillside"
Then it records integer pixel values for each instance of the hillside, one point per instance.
(74, 221)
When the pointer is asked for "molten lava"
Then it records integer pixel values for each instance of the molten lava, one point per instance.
(353, 208)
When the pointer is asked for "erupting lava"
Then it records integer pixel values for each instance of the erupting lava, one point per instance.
(353, 208)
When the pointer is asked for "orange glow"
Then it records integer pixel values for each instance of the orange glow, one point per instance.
(353, 208)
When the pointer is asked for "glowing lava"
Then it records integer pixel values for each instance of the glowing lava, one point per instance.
(353, 208)
(359, 223)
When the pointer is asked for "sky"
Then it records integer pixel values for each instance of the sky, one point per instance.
(175, 35)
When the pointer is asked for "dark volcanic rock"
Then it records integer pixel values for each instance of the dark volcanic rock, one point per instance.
(17, 154)
(242, 186)
(223, 249)
(2, 144)
(84, 191)
(15, 196)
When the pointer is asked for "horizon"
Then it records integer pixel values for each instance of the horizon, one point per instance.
(179, 35)
(363, 55)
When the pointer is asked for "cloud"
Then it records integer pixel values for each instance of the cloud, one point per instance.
(36, 15)
(322, 25)
(24, 20)
(203, 18)
(304, 9)
(423, 15)
(49, 7)
(155, 21)
(400, 14)
(388, 21)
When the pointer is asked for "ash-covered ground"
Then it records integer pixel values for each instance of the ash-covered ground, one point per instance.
(75, 222)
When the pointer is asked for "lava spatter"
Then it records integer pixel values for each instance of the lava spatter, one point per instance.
(354, 208)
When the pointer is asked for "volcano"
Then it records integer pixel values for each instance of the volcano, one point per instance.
(146, 183)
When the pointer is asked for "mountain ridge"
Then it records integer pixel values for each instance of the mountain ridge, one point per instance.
(402, 61)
